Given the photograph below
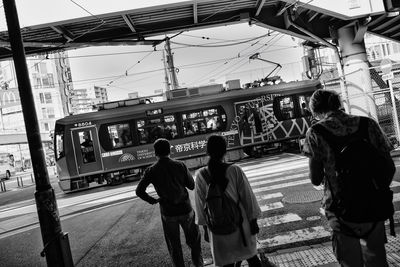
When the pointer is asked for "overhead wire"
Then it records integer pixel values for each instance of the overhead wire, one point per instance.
(235, 64)
(79, 36)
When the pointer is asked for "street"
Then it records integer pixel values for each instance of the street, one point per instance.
(93, 218)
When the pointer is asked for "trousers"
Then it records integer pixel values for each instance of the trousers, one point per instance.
(171, 226)
(352, 251)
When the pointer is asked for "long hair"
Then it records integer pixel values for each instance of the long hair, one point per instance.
(216, 149)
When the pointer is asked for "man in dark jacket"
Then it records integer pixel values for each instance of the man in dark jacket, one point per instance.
(170, 179)
(354, 243)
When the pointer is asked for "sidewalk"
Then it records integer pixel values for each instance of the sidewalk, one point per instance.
(321, 255)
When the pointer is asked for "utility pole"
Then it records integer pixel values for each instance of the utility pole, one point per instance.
(167, 84)
(171, 67)
(56, 244)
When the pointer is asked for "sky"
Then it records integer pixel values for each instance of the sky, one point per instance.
(124, 70)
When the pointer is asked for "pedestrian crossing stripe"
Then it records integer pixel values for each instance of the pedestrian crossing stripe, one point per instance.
(294, 236)
(280, 186)
(263, 176)
(279, 219)
(244, 166)
(268, 169)
(270, 181)
(269, 196)
(271, 206)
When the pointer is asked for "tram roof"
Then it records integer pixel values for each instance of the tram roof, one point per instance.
(138, 26)
(187, 102)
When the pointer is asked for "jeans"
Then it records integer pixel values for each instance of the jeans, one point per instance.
(192, 235)
(351, 251)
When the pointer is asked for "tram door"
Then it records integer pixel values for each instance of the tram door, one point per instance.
(86, 147)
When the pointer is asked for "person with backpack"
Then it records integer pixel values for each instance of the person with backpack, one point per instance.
(170, 179)
(226, 208)
(350, 156)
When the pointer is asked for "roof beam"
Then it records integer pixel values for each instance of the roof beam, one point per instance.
(387, 24)
(392, 29)
(129, 22)
(64, 32)
(4, 44)
(376, 21)
(195, 15)
(312, 17)
(259, 6)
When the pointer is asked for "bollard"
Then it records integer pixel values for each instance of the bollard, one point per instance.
(33, 180)
(20, 182)
(3, 186)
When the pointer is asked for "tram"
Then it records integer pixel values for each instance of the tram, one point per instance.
(115, 142)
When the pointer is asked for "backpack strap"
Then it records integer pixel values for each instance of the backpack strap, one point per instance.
(205, 174)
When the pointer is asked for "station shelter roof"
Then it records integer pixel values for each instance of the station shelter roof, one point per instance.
(141, 26)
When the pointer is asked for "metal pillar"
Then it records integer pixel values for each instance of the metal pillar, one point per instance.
(56, 244)
(356, 71)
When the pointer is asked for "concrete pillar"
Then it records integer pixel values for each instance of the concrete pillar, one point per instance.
(356, 71)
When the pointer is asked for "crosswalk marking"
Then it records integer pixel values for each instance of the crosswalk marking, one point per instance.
(263, 176)
(279, 219)
(280, 186)
(271, 206)
(269, 196)
(268, 169)
(270, 181)
(269, 163)
(295, 236)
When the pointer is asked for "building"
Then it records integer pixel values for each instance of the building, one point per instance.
(83, 100)
(50, 80)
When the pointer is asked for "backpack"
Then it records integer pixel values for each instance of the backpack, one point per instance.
(223, 214)
(363, 175)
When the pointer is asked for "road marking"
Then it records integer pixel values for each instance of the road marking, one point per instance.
(280, 186)
(270, 169)
(270, 181)
(269, 196)
(271, 206)
(295, 236)
(279, 219)
(263, 176)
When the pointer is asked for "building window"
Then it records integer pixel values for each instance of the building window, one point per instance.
(50, 113)
(41, 96)
(46, 126)
(48, 80)
(44, 113)
(47, 97)
(43, 68)
(395, 47)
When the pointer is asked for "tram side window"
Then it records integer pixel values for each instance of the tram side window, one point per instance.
(202, 121)
(286, 105)
(87, 149)
(150, 130)
(304, 102)
(59, 139)
(120, 135)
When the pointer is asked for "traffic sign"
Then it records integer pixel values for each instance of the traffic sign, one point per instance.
(386, 66)
(387, 76)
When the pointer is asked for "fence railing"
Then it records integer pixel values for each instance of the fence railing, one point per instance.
(386, 99)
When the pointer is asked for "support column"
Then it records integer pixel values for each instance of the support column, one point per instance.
(356, 71)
